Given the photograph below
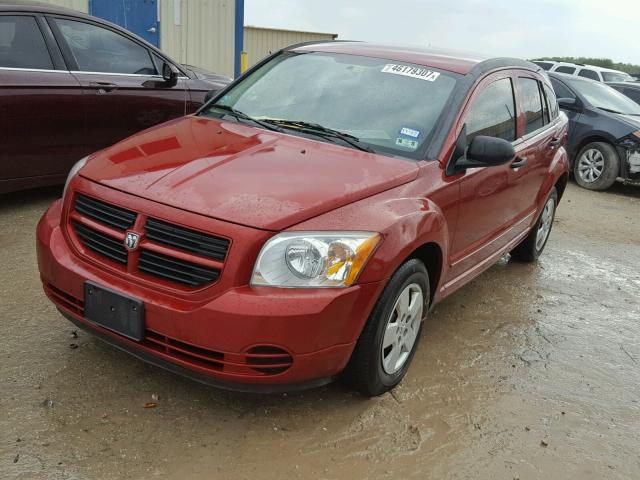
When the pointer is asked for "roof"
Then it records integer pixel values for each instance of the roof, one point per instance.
(307, 32)
(450, 60)
(634, 85)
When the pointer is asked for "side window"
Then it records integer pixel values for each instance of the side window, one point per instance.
(633, 94)
(565, 69)
(561, 90)
(544, 65)
(493, 112)
(553, 102)
(531, 103)
(586, 73)
(22, 44)
(97, 49)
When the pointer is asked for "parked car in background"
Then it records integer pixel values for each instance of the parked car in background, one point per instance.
(630, 89)
(591, 72)
(604, 131)
(72, 84)
(284, 235)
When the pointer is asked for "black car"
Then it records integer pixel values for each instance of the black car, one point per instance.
(604, 131)
(630, 89)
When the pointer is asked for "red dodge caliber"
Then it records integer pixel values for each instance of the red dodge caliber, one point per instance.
(303, 222)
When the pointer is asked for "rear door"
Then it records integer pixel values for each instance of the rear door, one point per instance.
(124, 92)
(539, 140)
(41, 119)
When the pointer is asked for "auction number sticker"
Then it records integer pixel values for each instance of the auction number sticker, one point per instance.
(410, 71)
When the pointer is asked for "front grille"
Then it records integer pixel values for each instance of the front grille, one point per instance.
(186, 239)
(171, 268)
(100, 243)
(111, 215)
(166, 251)
(65, 300)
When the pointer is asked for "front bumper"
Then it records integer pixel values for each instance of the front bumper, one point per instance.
(248, 339)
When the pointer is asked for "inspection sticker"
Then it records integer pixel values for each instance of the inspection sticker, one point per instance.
(409, 132)
(406, 143)
(410, 71)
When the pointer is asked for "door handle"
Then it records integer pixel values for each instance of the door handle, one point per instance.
(103, 87)
(152, 30)
(555, 141)
(519, 162)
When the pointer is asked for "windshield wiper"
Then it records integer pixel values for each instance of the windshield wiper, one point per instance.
(321, 131)
(243, 116)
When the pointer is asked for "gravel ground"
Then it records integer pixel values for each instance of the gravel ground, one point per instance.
(530, 371)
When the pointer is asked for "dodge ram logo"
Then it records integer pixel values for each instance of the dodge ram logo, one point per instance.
(131, 240)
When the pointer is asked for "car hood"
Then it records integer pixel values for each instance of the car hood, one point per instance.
(632, 120)
(241, 174)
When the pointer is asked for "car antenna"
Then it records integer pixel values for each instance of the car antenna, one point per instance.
(186, 54)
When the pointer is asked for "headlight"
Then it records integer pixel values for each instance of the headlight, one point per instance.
(73, 172)
(314, 259)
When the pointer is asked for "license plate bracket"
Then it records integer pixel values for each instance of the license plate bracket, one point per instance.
(113, 310)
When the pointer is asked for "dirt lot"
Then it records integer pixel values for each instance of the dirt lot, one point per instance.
(531, 371)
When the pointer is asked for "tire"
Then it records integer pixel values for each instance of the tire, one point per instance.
(372, 368)
(532, 246)
(596, 166)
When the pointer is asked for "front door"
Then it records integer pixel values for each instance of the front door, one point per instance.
(137, 16)
(40, 117)
(123, 91)
(485, 218)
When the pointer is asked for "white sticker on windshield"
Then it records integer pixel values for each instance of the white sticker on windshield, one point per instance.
(410, 71)
(406, 143)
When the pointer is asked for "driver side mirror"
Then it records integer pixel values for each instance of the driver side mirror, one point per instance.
(568, 103)
(170, 74)
(483, 152)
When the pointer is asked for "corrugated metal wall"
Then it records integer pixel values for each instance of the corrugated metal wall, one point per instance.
(198, 32)
(80, 5)
(260, 42)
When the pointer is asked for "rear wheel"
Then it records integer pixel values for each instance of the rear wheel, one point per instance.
(597, 166)
(532, 246)
(388, 342)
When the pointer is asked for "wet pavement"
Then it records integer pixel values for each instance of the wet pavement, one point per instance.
(530, 371)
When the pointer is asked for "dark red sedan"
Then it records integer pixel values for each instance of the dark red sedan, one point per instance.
(302, 224)
(72, 84)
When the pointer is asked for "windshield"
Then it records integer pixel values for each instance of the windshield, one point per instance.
(386, 106)
(617, 77)
(604, 97)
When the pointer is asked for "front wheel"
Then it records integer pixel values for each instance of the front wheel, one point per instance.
(597, 166)
(532, 246)
(388, 342)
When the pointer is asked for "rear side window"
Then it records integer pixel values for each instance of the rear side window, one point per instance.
(97, 49)
(493, 112)
(586, 73)
(531, 103)
(565, 69)
(552, 100)
(22, 44)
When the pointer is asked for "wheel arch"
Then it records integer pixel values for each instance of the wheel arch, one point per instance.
(430, 253)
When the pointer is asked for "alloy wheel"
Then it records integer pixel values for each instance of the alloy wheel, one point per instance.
(591, 165)
(402, 328)
(544, 227)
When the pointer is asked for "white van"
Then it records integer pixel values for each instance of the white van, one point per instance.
(587, 71)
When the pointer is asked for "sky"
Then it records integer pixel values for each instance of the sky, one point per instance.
(521, 28)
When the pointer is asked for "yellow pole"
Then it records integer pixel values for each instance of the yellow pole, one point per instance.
(244, 62)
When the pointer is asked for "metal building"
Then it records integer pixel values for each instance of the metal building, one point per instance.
(260, 42)
(205, 33)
